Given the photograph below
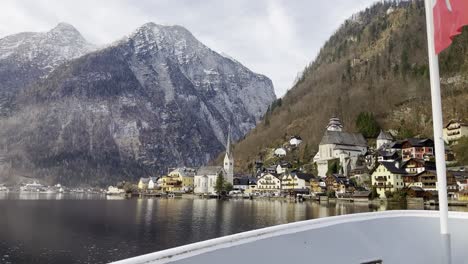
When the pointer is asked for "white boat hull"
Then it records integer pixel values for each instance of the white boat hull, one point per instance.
(391, 236)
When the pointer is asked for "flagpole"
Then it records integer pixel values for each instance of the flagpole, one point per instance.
(437, 125)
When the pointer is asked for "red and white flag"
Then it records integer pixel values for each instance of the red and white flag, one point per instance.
(449, 18)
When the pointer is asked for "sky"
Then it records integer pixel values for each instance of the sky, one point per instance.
(277, 38)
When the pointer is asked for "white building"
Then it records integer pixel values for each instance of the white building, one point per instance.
(205, 178)
(383, 139)
(152, 183)
(338, 145)
(280, 152)
(269, 183)
(295, 141)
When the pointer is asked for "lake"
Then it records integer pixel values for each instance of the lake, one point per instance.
(83, 228)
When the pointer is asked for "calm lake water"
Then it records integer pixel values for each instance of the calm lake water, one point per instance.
(85, 228)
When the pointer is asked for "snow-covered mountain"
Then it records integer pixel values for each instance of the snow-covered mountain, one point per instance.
(29, 56)
(155, 99)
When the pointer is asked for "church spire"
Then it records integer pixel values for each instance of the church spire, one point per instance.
(228, 144)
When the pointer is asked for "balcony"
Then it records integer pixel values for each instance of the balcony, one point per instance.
(381, 178)
(383, 185)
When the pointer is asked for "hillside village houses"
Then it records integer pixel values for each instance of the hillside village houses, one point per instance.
(454, 130)
(336, 144)
(392, 166)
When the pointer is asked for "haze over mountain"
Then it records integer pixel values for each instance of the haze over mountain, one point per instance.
(155, 99)
(375, 62)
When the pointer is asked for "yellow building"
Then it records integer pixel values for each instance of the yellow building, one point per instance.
(143, 184)
(388, 176)
(178, 180)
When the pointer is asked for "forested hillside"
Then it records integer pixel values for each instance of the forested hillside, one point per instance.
(375, 62)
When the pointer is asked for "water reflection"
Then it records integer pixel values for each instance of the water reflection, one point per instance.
(92, 229)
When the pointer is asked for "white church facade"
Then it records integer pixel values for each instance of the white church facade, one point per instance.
(338, 145)
(206, 176)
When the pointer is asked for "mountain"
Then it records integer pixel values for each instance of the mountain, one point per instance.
(29, 56)
(155, 99)
(375, 62)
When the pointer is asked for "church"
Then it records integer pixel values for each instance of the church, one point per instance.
(206, 176)
(341, 146)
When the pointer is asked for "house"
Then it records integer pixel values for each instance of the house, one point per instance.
(416, 166)
(317, 185)
(387, 155)
(388, 176)
(153, 183)
(283, 167)
(463, 195)
(269, 183)
(383, 139)
(185, 176)
(296, 182)
(143, 184)
(417, 148)
(295, 141)
(170, 184)
(338, 183)
(338, 145)
(280, 152)
(454, 130)
(241, 183)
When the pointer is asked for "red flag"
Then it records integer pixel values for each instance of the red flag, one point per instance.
(449, 18)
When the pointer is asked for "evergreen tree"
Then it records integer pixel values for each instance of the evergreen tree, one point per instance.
(367, 125)
(219, 185)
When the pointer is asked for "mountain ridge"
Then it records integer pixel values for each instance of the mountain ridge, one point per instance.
(158, 98)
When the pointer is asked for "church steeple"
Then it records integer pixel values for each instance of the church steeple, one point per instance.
(229, 159)
(228, 144)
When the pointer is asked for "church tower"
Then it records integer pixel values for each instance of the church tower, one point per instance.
(229, 160)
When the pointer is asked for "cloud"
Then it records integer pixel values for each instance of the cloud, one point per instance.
(273, 37)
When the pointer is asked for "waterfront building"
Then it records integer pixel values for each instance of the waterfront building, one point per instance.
(296, 182)
(454, 130)
(185, 176)
(153, 183)
(206, 176)
(205, 179)
(143, 183)
(388, 176)
(269, 183)
(317, 185)
(339, 145)
(338, 183)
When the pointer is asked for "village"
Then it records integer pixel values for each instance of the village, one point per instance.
(345, 167)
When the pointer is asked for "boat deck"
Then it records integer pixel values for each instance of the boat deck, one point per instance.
(390, 237)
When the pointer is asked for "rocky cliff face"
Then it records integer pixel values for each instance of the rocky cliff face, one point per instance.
(155, 99)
